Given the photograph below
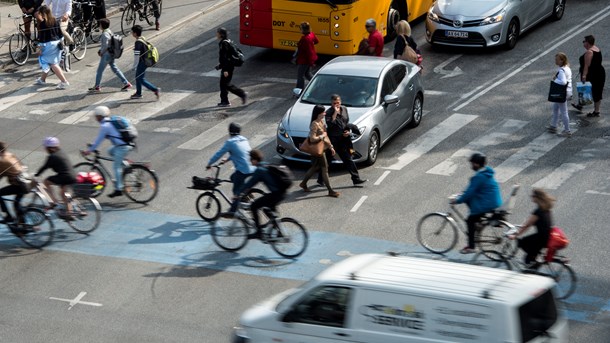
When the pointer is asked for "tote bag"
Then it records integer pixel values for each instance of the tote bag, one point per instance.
(408, 54)
(557, 92)
(314, 149)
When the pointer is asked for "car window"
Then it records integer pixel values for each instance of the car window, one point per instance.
(388, 86)
(399, 72)
(324, 305)
(355, 91)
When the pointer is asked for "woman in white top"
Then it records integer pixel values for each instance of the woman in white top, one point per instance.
(560, 109)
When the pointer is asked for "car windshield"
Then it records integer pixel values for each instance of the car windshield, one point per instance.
(355, 91)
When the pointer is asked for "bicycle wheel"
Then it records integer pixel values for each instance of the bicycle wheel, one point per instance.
(208, 206)
(141, 184)
(80, 43)
(19, 49)
(232, 236)
(563, 275)
(491, 259)
(289, 238)
(34, 199)
(95, 32)
(86, 214)
(128, 19)
(87, 167)
(492, 238)
(148, 13)
(437, 232)
(38, 230)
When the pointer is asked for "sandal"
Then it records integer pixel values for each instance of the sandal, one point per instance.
(304, 186)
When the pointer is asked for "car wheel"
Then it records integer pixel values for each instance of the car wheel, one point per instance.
(512, 34)
(417, 113)
(393, 19)
(558, 9)
(373, 148)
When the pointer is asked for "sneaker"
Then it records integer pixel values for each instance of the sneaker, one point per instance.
(320, 183)
(359, 181)
(40, 82)
(157, 25)
(551, 129)
(593, 114)
(95, 89)
(126, 87)
(566, 134)
(63, 85)
(136, 96)
(244, 99)
(115, 194)
(158, 93)
(227, 215)
(224, 104)
(467, 250)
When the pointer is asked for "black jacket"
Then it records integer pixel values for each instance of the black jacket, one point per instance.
(27, 4)
(224, 55)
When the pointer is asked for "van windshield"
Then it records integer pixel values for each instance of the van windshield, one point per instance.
(537, 316)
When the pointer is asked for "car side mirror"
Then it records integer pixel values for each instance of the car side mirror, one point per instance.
(289, 317)
(390, 99)
(296, 92)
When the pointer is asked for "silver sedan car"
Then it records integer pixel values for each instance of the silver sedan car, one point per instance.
(485, 23)
(381, 95)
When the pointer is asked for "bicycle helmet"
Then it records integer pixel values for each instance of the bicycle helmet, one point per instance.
(101, 111)
(234, 129)
(478, 158)
(50, 142)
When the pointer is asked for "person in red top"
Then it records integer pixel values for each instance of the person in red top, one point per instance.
(375, 38)
(305, 55)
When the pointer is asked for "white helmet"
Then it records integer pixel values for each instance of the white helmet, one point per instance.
(101, 111)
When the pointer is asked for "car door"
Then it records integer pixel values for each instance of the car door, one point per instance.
(405, 90)
(387, 117)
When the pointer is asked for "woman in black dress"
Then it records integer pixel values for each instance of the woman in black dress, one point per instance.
(591, 70)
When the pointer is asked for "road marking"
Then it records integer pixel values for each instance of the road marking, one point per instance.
(76, 300)
(382, 177)
(16, 97)
(85, 115)
(264, 137)
(499, 134)
(559, 176)
(527, 155)
(597, 192)
(359, 203)
(448, 73)
(432, 138)
(431, 92)
(152, 108)
(196, 47)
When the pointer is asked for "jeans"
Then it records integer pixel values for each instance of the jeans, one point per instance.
(141, 81)
(303, 72)
(118, 152)
(226, 87)
(560, 109)
(238, 178)
(105, 60)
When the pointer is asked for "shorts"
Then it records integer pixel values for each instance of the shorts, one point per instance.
(62, 180)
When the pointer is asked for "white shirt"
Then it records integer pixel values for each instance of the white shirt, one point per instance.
(60, 7)
(564, 76)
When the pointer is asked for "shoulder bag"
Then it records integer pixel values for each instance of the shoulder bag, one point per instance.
(557, 92)
(408, 54)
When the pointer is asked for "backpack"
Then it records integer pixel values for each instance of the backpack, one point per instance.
(127, 131)
(282, 176)
(115, 46)
(151, 56)
(236, 56)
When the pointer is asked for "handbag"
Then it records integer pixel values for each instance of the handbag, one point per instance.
(314, 149)
(408, 54)
(557, 92)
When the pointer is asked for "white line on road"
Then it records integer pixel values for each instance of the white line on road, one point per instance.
(359, 203)
(432, 138)
(167, 99)
(16, 97)
(382, 177)
(76, 300)
(597, 193)
(196, 47)
(264, 137)
(85, 115)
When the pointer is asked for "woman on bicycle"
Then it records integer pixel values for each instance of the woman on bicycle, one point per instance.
(541, 218)
(11, 167)
(65, 177)
(49, 55)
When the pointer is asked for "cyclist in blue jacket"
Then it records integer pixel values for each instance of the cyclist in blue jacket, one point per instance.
(481, 196)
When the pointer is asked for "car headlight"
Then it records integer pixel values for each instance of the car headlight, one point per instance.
(355, 136)
(496, 18)
(431, 15)
(281, 130)
(241, 335)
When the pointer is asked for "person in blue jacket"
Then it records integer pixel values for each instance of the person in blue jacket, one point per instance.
(481, 196)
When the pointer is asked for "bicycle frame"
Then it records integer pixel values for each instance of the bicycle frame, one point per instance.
(98, 158)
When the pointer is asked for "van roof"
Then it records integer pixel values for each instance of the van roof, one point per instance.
(437, 277)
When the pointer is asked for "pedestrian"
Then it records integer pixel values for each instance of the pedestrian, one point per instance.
(49, 53)
(107, 58)
(375, 40)
(403, 39)
(337, 120)
(317, 135)
(563, 77)
(306, 55)
(592, 70)
(29, 7)
(62, 10)
(226, 67)
(11, 167)
(139, 65)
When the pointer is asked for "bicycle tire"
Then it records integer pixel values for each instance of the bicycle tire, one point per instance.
(148, 13)
(80, 43)
(289, 238)
(91, 167)
(140, 183)
(18, 48)
(563, 275)
(128, 19)
(231, 237)
(35, 200)
(95, 34)
(39, 228)
(437, 232)
(208, 206)
(492, 238)
(87, 214)
(491, 259)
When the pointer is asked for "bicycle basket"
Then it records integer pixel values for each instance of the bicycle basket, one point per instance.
(204, 183)
(85, 190)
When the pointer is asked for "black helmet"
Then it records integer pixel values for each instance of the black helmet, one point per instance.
(234, 129)
(478, 158)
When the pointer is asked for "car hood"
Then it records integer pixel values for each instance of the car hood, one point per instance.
(299, 118)
(469, 8)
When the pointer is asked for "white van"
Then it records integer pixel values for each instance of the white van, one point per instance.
(376, 298)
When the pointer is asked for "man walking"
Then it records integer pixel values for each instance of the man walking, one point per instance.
(226, 67)
(107, 58)
(139, 65)
(62, 9)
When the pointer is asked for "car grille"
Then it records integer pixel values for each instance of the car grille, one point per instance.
(474, 38)
(467, 23)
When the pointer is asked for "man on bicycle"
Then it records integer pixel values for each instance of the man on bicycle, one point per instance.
(65, 177)
(270, 200)
(119, 149)
(481, 196)
(13, 170)
(238, 148)
(29, 7)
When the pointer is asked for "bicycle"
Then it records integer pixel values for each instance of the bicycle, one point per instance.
(208, 203)
(285, 235)
(438, 231)
(79, 37)
(141, 183)
(90, 27)
(136, 10)
(35, 229)
(20, 45)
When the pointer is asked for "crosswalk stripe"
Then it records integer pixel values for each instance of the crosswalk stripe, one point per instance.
(150, 109)
(527, 155)
(432, 138)
(219, 131)
(17, 97)
(85, 115)
(264, 137)
(196, 47)
(499, 134)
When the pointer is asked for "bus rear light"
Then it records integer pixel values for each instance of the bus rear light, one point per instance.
(246, 23)
(247, 8)
(247, 16)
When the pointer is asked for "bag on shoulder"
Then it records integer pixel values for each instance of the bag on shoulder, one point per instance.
(236, 56)
(557, 92)
(115, 46)
(151, 56)
(408, 54)
(282, 175)
(128, 132)
(314, 149)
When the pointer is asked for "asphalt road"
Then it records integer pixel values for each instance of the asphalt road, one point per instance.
(151, 273)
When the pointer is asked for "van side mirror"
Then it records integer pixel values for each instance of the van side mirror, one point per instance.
(390, 99)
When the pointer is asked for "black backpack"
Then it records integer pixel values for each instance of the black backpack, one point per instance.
(236, 56)
(115, 45)
(282, 175)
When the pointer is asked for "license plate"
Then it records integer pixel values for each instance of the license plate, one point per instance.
(456, 34)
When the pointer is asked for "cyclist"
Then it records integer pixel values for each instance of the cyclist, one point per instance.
(269, 200)
(29, 7)
(119, 149)
(13, 170)
(481, 196)
(65, 177)
(541, 218)
(238, 148)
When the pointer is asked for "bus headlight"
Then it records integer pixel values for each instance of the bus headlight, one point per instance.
(336, 46)
(336, 33)
(336, 26)
(336, 17)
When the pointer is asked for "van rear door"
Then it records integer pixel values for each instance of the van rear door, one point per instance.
(540, 321)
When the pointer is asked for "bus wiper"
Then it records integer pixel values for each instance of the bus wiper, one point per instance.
(331, 4)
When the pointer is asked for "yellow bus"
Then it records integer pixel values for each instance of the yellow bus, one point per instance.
(338, 24)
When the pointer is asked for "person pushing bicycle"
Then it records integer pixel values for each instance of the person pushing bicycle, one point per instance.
(65, 177)
(481, 196)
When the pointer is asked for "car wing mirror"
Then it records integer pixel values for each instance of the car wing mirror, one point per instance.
(289, 317)
(296, 92)
(390, 99)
